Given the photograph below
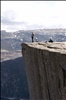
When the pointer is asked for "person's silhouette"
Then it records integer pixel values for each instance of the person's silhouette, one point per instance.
(50, 40)
(32, 36)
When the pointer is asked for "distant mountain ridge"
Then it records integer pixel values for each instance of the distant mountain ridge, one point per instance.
(13, 40)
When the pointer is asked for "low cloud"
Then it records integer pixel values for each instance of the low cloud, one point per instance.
(10, 24)
(7, 21)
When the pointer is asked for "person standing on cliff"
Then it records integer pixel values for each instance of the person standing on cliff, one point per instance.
(32, 36)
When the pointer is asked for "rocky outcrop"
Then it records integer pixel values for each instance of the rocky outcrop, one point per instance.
(45, 65)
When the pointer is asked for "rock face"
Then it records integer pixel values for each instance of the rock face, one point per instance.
(45, 65)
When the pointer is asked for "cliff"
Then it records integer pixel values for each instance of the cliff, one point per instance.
(45, 65)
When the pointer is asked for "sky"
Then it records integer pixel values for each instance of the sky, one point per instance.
(27, 15)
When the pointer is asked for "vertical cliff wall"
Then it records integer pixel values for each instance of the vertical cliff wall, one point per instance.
(45, 65)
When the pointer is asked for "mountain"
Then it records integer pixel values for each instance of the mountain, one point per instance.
(13, 75)
(13, 79)
(13, 40)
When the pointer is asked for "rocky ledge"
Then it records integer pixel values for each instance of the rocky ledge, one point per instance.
(45, 65)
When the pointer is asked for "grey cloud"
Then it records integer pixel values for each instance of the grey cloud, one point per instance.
(7, 21)
(35, 26)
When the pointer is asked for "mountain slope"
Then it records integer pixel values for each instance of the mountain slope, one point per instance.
(13, 79)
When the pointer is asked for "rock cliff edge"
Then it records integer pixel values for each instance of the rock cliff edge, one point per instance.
(45, 65)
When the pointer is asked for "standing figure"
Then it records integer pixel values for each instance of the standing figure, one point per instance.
(32, 36)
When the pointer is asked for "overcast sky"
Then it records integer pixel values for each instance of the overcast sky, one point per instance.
(18, 15)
